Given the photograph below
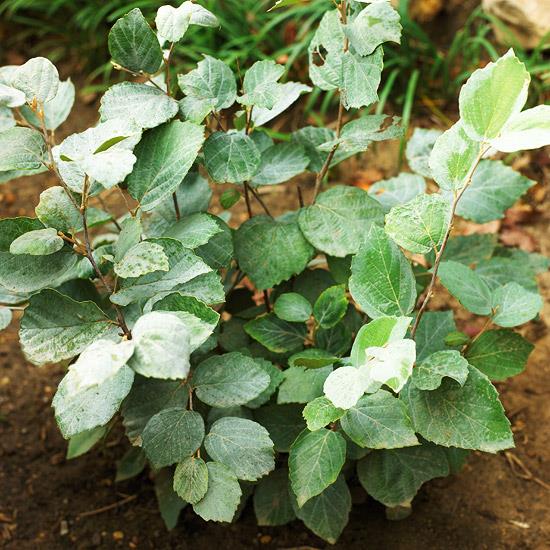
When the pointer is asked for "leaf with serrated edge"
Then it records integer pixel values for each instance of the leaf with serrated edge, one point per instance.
(320, 412)
(191, 479)
(429, 374)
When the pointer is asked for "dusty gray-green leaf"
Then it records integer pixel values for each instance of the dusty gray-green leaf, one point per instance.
(40, 242)
(129, 236)
(172, 435)
(134, 45)
(5, 317)
(429, 374)
(331, 306)
(283, 422)
(399, 190)
(81, 443)
(230, 379)
(272, 501)
(260, 84)
(242, 445)
(222, 496)
(432, 330)
(379, 421)
(191, 479)
(499, 354)
(231, 157)
(287, 94)
(492, 95)
(338, 221)
(56, 210)
(55, 327)
(164, 157)
(473, 410)
(466, 286)
(280, 163)
(275, 378)
(419, 148)
(194, 230)
(169, 503)
(146, 105)
(382, 281)
(271, 251)
(302, 385)
(499, 271)
(131, 464)
(314, 462)
(38, 79)
(419, 225)
(320, 412)
(514, 305)
(21, 149)
(468, 249)
(7, 120)
(275, 334)
(361, 78)
(393, 476)
(142, 258)
(292, 307)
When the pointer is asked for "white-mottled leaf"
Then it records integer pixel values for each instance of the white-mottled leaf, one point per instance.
(419, 148)
(142, 258)
(429, 374)
(398, 190)
(5, 317)
(38, 79)
(280, 163)
(287, 94)
(514, 305)
(11, 97)
(40, 242)
(260, 84)
(21, 149)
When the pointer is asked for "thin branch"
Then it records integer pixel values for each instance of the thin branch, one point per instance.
(167, 69)
(176, 206)
(257, 196)
(300, 196)
(439, 254)
(108, 507)
(266, 301)
(247, 199)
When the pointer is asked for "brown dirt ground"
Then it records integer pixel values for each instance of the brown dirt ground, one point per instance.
(43, 497)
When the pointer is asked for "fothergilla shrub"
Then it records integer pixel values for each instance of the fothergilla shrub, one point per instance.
(343, 373)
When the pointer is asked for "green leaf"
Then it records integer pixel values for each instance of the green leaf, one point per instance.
(453, 157)
(468, 249)
(514, 305)
(162, 346)
(169, 503)
(499, 271)
(361, 78)
(492, 95)
(473, 410)
(5, 317)
(466, 286)
(260, 84)
(499, 354)
(271, 251)
(314, 462)
(419, 225)
(376, 24)
(21, 149)
(148, 397)
(275, 334)
(56, 210)
(81, 443)
(77, 411)
(429, 374)
(331, 306)
(134, 45)
(184, 267)
(336, 224)
(327, 514)
(495, 187)
(526, 130)
(194, 230)
(55, 327)
(276, 377)
(272, 500)
(280, 163)
(129, 236)
(222, 497)
(394, 476)
(218, 251)
(229, 379)
(419, 148)
(292, 307)
(164, 157)
(38, 79)
(146, 105)
(231, 157)
(382, 281)
(131, 464)
(191, 479)
(40, 242)
(302, 385)
(399, 190)
(335, 340)
(312, 358)
(432, 330)
(242, 445)
(172, 435)
(211, 86)
(229, 198)
(141, 259)
(287, 94)
(379, 421)
(320, 412)
(283, 422)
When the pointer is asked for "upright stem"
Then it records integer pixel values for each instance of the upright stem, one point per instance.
(167, 76)
(343, 7)
(441, 250)
(247, 199)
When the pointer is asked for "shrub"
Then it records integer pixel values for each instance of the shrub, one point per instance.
(341, 370)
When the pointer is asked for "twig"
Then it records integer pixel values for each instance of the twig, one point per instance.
(524, 472)
(108, 507)
(167, 69)
(257, 196)
(247, 199)
(176, 206)
(300, 196)
(266, 301)
(439, 254)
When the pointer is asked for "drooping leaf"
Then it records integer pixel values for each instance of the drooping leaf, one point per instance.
(419, 148)
(473, 410)
(229, 379)
(314, 462)
(275, 334)
(468, 249)
(287, 94)
(272, 500)
(172, 435)
(499, 354)
(21, 149)
(131, 464)
(38, 79)
(260, 84)
(164, 157)
(242, 445)
(429, 374)
(399, 190)
(280, 163)
(320, 412)
(134, 45)
(361, 78)
(382, 281)
(514, 305)
(169, 503)
(81, 443)
(331, 306)
(191, 479)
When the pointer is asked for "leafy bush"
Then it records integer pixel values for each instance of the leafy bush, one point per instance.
(341, 370)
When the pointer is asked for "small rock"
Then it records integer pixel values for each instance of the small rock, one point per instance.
(265, 539)
(63, 528)
(118, 535)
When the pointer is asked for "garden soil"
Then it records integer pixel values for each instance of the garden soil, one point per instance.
(496, 502)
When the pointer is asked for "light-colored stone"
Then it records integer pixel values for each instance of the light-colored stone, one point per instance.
(528, 20)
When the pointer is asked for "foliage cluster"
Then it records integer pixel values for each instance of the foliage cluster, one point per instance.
(341, 372)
